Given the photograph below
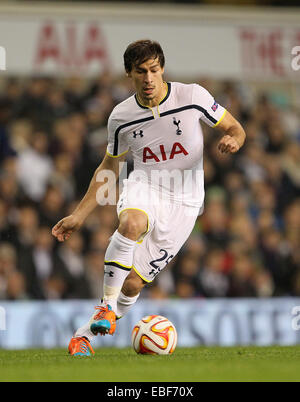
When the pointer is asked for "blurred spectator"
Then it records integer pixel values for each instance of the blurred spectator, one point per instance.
(278, 260)
(4, 221)
(74, 275)
(6, 149)
(9, 189)
(12, 282)
(51, 206)
(38, 262)
(62, 176)
(35, 167)
(25, 227)
(57, 104)
(212, 278)
(216, 219)
(242, 278)
(32, 103)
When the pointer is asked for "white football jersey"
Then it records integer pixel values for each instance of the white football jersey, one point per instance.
(166, 141)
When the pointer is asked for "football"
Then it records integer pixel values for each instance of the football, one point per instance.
(154, 335)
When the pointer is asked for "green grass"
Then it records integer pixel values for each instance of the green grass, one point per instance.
(186, 364)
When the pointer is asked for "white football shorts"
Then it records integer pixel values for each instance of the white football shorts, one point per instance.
(169, 226)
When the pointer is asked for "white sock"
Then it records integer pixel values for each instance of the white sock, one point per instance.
(85, 331)
(118, 262)
(124, 304)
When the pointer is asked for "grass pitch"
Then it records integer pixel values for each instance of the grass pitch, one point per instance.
(186, 365)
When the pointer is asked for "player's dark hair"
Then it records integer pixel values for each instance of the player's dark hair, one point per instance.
(140, 51)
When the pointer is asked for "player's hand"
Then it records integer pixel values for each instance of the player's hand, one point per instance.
(228, 144)
(65, 227)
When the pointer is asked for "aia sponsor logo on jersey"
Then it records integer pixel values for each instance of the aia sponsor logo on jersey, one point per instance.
(177, 148)
(215, 106)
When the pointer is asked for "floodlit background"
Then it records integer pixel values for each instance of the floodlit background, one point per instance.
(64, 74)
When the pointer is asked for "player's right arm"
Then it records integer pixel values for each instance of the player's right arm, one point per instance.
(66, 226)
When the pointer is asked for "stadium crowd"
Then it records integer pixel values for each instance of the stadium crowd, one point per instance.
(52, 138)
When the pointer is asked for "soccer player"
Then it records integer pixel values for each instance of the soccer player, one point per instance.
(163, 195)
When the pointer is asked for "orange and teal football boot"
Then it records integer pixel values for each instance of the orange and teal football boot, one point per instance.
(80, 346)
(103, 322)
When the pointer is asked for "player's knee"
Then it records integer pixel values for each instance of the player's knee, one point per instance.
(132, 226)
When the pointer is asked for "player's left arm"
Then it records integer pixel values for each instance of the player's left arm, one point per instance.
(234, 134)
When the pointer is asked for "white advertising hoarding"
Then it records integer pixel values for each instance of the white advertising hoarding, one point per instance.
(234, 46)
(224, 322)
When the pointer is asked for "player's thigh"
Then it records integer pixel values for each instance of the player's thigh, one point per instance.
(162, 244)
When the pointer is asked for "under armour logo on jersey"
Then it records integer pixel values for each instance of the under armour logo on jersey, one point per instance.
(153, 272)
(110, 273)
(178, 131)
(135, 133)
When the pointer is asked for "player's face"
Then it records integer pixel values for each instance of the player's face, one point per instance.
(148, 80)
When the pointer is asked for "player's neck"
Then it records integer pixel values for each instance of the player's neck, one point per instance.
(157, 100)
